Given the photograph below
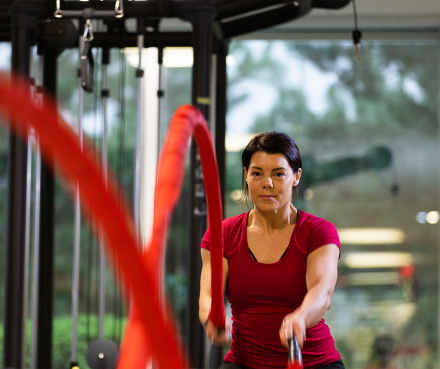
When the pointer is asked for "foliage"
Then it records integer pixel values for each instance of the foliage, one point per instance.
(62, 337)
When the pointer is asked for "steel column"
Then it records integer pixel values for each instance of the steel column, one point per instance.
(15, 233)
(47, 220)
(216, 358)
(220, 115)
(201, 18)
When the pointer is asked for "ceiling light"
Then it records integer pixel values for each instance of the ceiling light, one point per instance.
(178, 57)
(378, 259)
(432, 217)
(371, 236)
(236, 195)
(132, 56)
(308, 194)
(372, 279)
(421, 217)
(236, 143)
(230, 61)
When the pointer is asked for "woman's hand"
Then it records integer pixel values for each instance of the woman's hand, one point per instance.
(216, 336)
(293, 324)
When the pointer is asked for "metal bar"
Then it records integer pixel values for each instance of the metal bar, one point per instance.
(159, 101)
(202, 44)
(28, 217)
(36, 258)
(27, 242)
(104, 169)
(77, 245)
(16, 216)
(330, 4)
(88, 13)
(132, 9)
(216, 357)
(227, 9)
(129, 39)
(220, 115)
(137, 168)
(48, 71)
(263, 20)
(233, 8)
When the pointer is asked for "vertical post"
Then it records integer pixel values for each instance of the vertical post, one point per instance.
(36, 243)
(47, 219)
(77, 225)
(28, 219)
(137, 160)
(201, 17)
(220, 115)
(104, 95)
(216, 357)
(21, 20)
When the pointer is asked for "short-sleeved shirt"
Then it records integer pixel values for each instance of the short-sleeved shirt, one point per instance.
(261, 295)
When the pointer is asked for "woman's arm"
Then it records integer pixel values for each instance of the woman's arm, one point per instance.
(321, 275)
(220, 338)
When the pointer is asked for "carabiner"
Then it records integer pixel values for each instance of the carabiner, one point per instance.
(88, 31)
(58, 12)
(119, 9)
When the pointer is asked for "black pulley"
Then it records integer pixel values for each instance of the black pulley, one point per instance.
(102, 354)
(60, 33)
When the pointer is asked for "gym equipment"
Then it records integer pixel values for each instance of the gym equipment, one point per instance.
(294, 359)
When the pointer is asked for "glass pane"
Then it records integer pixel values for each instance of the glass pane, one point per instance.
(368, 135)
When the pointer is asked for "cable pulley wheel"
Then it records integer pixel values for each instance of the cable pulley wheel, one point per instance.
(102, 354)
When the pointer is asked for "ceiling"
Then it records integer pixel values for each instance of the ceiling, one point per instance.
(376, 16)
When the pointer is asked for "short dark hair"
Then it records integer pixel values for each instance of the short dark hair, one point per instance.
(271, 143)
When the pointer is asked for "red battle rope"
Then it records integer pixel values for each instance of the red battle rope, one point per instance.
(152, 334)
(186, 121)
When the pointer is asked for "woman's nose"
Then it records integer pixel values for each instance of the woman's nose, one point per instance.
(267, 182)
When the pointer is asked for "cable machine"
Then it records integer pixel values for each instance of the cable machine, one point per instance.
(214, 24)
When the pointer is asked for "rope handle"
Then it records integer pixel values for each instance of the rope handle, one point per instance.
(87, 63)
(295, 356)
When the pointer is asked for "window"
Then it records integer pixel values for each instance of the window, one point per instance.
(368, 135)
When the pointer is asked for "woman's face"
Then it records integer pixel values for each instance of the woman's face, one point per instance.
(270, 180)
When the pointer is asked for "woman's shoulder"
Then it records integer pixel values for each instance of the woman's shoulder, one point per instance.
(234, 221)
(312, 221)
(232, 233)
(229, 225)
(317, 231)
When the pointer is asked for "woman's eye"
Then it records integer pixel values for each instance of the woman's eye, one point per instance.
(255, 174)
(279, 174)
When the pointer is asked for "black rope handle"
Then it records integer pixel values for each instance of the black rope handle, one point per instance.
(87, 65)
(294, 351)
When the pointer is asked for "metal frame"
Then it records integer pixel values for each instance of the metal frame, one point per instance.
(214, 23)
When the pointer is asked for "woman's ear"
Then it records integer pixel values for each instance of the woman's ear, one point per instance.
(297, 177)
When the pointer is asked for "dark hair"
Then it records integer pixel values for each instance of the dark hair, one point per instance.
(271, 143)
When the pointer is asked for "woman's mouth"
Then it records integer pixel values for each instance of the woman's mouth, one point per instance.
(267, 197)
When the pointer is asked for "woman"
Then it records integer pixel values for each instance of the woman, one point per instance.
(279, 267)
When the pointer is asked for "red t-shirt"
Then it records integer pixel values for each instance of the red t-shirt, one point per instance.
(261, 295)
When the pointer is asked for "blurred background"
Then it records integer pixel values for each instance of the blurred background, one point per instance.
(369, 138)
